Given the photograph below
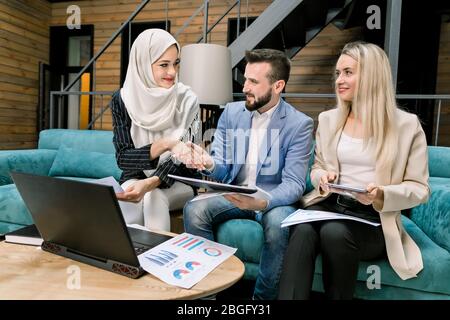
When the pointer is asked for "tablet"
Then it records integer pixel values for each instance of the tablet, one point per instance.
(212, 185)
(346, 187)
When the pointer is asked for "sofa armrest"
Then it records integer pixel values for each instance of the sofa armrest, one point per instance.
(433, 217)
(36, 161)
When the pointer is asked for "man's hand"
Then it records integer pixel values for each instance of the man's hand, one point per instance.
(137, 190)
(246, 202)
(195, 157)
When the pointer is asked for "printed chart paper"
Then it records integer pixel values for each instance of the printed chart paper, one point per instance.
(303, 216)
(184, 260)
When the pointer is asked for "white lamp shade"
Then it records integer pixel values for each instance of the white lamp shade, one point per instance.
(206, 68)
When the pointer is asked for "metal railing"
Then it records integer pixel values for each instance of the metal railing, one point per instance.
(107, 44)
(91, 62)
(438, 98)
(91, 124)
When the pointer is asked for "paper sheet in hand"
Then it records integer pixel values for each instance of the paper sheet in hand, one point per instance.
(184, 260)
(129, 209)
(303, 216)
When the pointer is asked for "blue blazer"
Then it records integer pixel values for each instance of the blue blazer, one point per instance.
(283, 155)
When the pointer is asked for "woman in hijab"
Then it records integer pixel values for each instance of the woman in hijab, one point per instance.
(153, 115)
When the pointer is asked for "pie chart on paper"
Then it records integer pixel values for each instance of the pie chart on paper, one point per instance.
(213, 252)
(180, 273)
(192, 265)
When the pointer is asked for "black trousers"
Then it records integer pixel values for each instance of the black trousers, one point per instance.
(342, 243)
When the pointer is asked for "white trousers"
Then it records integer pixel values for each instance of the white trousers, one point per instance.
(153, 210)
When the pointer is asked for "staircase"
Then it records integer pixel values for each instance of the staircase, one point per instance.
(288, 26)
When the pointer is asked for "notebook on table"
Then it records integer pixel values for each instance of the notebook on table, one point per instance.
(27, 235)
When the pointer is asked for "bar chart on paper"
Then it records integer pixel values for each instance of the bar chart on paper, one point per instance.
(188, 242)
(191, 242)
(161, 257)
(184, 260)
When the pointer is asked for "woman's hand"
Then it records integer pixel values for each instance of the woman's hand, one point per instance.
(374, 194)
(326, 178)
(194, 157)
(165, 144)
(137, 190)
(179, 148)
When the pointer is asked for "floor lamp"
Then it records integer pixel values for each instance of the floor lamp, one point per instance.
(206, 68)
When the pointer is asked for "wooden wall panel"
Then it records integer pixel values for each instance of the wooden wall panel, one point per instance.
(313, 69)
(24, 42)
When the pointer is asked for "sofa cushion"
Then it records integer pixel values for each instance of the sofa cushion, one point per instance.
(435, 276)
(79, 163)
(6, 227)
(12, 207)
(433, 217)
(29, 161)
(245, 235)
(438, 160)
(87, 140)
(248, 238)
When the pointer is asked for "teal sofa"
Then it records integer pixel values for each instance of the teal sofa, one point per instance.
(90, 154)
(75, 154)
(428, 224)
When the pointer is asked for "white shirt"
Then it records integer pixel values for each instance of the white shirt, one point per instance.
(357, 165)
(260, 122)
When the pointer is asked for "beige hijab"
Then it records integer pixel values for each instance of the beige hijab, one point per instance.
(157, 112)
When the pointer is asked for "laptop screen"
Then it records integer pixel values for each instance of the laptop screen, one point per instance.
(84, 217)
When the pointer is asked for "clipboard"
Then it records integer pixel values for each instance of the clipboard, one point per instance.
(212, 185)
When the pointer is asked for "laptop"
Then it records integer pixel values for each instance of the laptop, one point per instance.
(83, 221)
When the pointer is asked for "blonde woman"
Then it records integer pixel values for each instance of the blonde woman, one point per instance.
(366, 142)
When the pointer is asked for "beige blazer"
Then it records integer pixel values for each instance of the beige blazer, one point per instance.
(405, 185)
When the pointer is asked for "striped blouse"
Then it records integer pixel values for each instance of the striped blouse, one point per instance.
(133, 160)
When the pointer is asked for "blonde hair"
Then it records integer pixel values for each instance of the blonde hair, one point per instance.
(374, 100)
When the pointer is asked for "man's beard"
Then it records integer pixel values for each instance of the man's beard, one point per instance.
(259, 103)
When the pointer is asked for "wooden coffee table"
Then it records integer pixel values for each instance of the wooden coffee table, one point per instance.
(27, 272)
